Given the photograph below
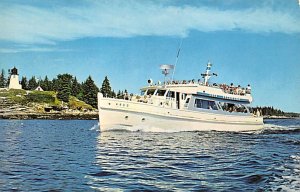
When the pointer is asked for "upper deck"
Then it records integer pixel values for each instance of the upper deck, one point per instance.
(221, 91)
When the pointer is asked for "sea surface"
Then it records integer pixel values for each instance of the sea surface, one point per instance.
(73, 155)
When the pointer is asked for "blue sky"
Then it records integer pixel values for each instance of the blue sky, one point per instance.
(248, 41)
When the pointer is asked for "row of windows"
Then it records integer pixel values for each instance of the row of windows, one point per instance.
(205, 104)
(230, 107)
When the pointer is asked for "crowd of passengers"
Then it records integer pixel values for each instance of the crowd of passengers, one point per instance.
(231, 89)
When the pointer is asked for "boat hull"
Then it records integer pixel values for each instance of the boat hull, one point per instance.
(132, 121)
(134, 116)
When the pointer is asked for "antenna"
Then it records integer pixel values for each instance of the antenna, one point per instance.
(177, 57)
(166, 70)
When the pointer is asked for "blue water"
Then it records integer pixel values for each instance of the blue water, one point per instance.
(62, 155)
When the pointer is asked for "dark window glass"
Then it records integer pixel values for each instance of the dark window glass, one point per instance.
(150, 91)
(205, 104)
(230, 107)
(171, 94)
(160, 92)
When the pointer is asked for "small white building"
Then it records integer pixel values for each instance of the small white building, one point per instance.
(39, 88)
(14, 79)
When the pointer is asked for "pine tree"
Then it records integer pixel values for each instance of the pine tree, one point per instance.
(119, 95)
(106, 89)
(113, 94)
(80, 94)
(2, 79)
(40, 81)
(54, 84)
(64, 87)
(76, 87)
(45, 84)
(90, 91)
(24, 83)
(7, 81)
(32, 84)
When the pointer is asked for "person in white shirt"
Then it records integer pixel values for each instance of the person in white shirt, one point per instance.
(248, 89)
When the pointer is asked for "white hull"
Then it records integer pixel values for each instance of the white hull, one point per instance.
(129, 115)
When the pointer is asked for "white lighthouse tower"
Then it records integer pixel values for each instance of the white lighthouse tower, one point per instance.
(14, 79)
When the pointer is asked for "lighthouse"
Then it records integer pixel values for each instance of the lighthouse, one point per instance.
(14, 79)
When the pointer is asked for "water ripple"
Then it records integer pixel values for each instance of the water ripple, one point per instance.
(42, 155)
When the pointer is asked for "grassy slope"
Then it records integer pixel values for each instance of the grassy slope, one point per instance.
(46, 98)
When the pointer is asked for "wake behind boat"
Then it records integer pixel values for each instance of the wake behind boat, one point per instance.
(181, 106)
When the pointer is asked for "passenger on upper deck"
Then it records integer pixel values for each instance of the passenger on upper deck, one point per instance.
(231, 88)
(248, 89)
(238, 90)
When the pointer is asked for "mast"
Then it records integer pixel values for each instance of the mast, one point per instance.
(207, 75)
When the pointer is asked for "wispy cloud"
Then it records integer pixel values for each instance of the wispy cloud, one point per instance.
(32, 49)
(32, 24)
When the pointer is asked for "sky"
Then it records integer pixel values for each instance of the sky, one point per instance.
(254, 42)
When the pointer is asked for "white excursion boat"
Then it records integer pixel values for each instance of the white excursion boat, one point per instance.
(174, 106)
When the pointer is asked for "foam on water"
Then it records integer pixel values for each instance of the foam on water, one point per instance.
(290, 179)
(95, 127)
(143, 128)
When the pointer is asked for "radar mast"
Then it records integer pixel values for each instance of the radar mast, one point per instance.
(166, 70)
(207, 75)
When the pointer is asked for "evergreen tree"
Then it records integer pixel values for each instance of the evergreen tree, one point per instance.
(64, 87)
(113, 94)
(54, 84)
(24, 83)
(106, 89)
(80, 94)
(40, 81)
(32, 84)
(90, 91)
(7, 81)
(76, 87)
(45, 84)
(119, 95)
(2, 79)
(268, 111)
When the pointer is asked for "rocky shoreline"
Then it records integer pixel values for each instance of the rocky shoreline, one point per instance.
(50, 116)
(278, 117)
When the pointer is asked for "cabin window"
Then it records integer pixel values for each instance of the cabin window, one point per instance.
(183, 96)
(150, 91)
(231, 107)
(205, 104)
(143, 92)
(187, 102)
(160, 92)
(171, 94)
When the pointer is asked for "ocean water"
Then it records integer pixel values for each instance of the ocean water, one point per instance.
(73, 155)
